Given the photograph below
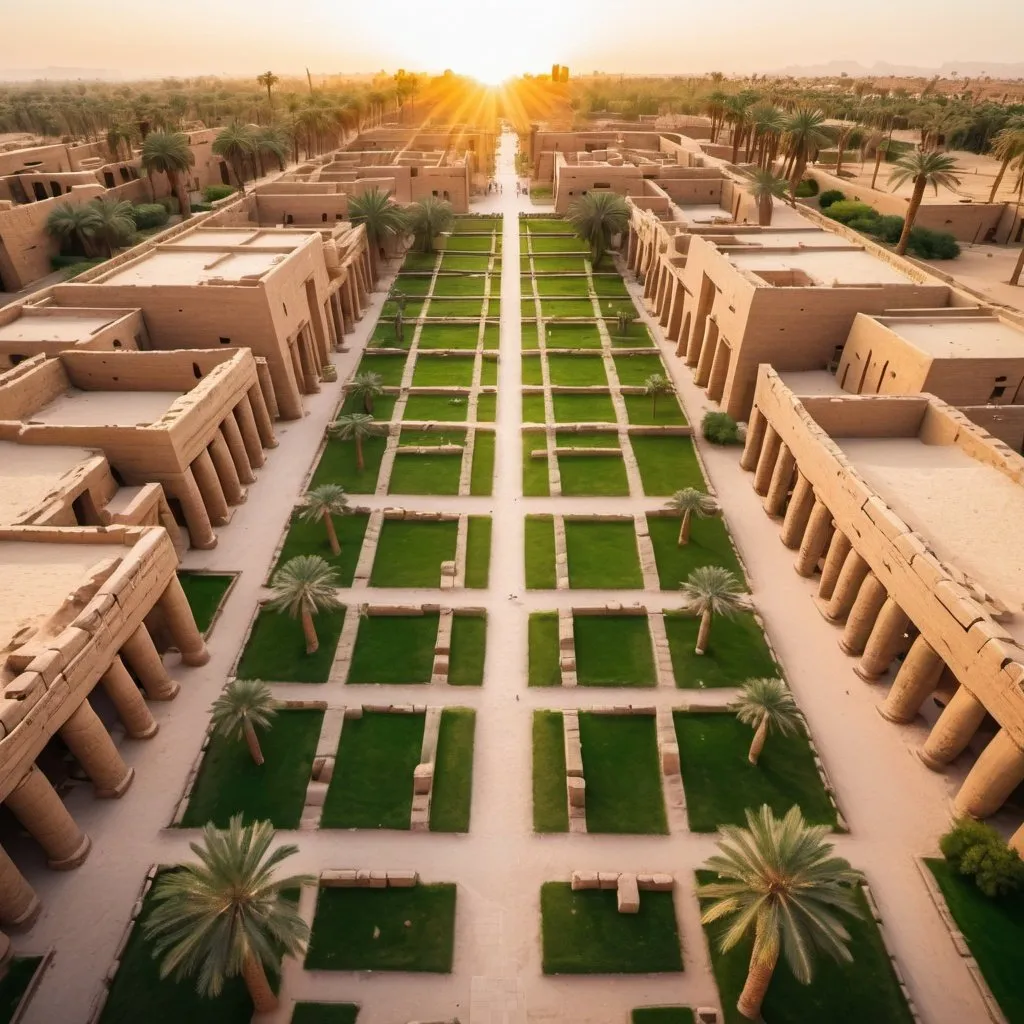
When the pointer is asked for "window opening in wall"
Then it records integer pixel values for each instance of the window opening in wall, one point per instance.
(16, 357)
(116, 343)
(197, 371)
(225, 341)
(55, 188)
(125, 174)
(323, 217)
(108, 179)
(997, 392)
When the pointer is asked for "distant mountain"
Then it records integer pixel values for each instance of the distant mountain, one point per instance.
(882, 69)
(60, 74)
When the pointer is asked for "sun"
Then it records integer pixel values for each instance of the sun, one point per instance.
(492, 69)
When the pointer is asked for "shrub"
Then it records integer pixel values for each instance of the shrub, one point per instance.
(214, 192)
(170, 204)
(976, 850)
(830, 196)
(845, 210)
(888, 228)
(720, 428)
(932, 245)
(200, 207)
(806, 188)
(867, 225)
(149, 215)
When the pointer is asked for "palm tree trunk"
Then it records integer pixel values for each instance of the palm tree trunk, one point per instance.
(757, 744)
(999, 177)
(262, 995)
(878, 161)
(908, 224)
(703, 632)
(759, 976)
(180, 193)
(764, 211)
(684, 530)
(839, 157)
(252, 742)
(360, 464)
(1015, 276)
(312, 640)
(799, 166)
(736, 138)
(368, 402)
(332, 535)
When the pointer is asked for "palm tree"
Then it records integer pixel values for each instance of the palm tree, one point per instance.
(243, 705)
(806, 133)
(323, 503)
(1018, 267)
(597, 217)
(767, 123)
(710, 590)
(881, 145)
(367, 386)
(380, 215)
(849, 135)
(766, 704)
(687, 503)
(736, 112)
(1006, 145)
(236, 144)
(429, 218)
(169, 153)
(113, 226)
(303, 586)
(923, 168)
(765, 186)
(268, 80)
(73, 225)
(780, 885)
(228, 915)
(356, 426)
(272, 141)
(119, 134)
(654, 386)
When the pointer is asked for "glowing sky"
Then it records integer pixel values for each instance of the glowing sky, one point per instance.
(494, 38)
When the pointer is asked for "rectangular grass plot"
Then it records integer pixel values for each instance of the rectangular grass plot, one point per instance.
(577, 371)
(613, 650)
(443, 371)
(602, 555)
(736, 651)
(550, 803)
(709, 544)
(394, 649)
(667, 464)
(410, 553)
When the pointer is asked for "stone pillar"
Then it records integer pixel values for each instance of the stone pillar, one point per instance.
(91, 744)
(261, 415)
(883, 642)
(148, 666)
(126, 697)
(35, 803)
(782, 477)
(19, 905)
(719, 372)
(267, 394)
(851, 576)
(224, 466)
(995, 775)
(181, 623)
(861, 621)
(838, 549)
(193, 508)
(953, 730)
(915, 681)
(210, 488)
(812, 544)
(245, 420)
(307, 362)
(708, 351)
(798, 512)
(755, 438)
(238, 449)
(766, 460)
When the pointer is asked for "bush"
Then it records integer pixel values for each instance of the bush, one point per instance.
(867, 225)
(932, 245)
(806, 188)
(214, 192)
(170, 204)
(976, 850)
(830, 196)
(149, 215)
(888, 228)
(845, 210)
(200, 207)
(720, 428)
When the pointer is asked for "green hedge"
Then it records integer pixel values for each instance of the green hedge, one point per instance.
(212, 193)
(806, 188)
(150, 215)
(830, 196)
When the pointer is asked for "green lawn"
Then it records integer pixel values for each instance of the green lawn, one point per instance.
(572, 336)
(338, 465)
(563, 287)
(620, 765)
(468, 649)
(610, 285)
(533, 408)
(443, 371)
(583, 409)
(736, 651)
(558, 243)
(383, 406)
(326, 1013)
(372, 782)
(577, 371)
(602, 555)
(593, 475)
(550, 803)
(413, 473)
(419, 261)
(463, 336)
(412, 284)
(642, 411)
(535, 471)
(488, 371)
(709, 544)
(994, 930)
(545, 669)
(486, 406)
(394, 649)
(390, 368)
(229, 782)
(15, 982)
(540, 553)
(482, 472)
(559, 264)
(634, 370)
(551, 307)
(466, 308)
(205, 591)
(863, 991)
(463, 243)
(662, 1015)
(478, 553)
(444, 408)
(613, 650)
(311, 539)
(720, 783)
(466, 264)
(475, 223)
(449, 285)
(410, 553)
(276, 649)
(453, 775)
(492, 336)
(532, 370)
(584, 933)
(667, 465)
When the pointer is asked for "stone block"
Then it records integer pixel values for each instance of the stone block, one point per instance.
(583, 880)
(338, 878)
(378, 879)
(628, 896)
(403, 879)
(448, 568)
(661, 883)
(422, 778)
(316, 794)
(707, 1015)
(577, 788)
(670, 758)
(363, 876)
(608, 879)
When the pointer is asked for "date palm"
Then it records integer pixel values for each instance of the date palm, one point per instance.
(806, 133)
(236, 144)
(169, 153)
(113, 226)
(687, 503)
(380, 215)
(710, 590)
(356, 426)
(779, 885)
(766, 705)
(765, 186)
(227, 914)
(268, 80)
(271, 141)
(429, 218)
(322, 504)
(923, 169)
(366, 386)
(120, 138)
(304, 586)
(654, 386)
(1006, 145)
(243, 706)
(1017, 268)
(73, 225)
(596, 218)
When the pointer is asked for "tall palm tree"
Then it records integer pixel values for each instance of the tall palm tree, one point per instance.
(169, 153)
(780, 885)
(737, 114)
(848, 136)
(118, 136)
(268, 80)
(73, 225)
(766, 705)
(271, 141)
(236, 144)
(429, 218)
(654, 386)
(764, 186)
(243, 706)
(924, 169)
(322, 504)
(367, 386)
(686, 504)
(304, 586)
(597, 217)
(356, 426)
(227, 914)
(806, 133)
(714, 107)
(881, 143)
(381, 216)
(113, 226)
(1006, 145)
(710, 590)
(767, 124)
(1018, 267)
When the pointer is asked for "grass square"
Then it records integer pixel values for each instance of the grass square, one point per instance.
(311, 539)
(436, 408)
(468, 649)
(476, 224)
(577, 371)
(558, 335)
(460, 285)
(419, 261)
(557, 286)
(737, 651)
(372, 782)
(205, 592)
(276, 649)
(230, 782)
(559, 243)
(527, 308)
(338, 465)
(366, 929)
(532, 373)
(550, 802)
(667, 464)
(559, 264)
(535, 471)
(488, 372)
(468, 243)
(413, 309)
(486, 406)
(583, 408)
(721, 783)
(417, 284)
(465, 264)
(551, 307)
(533, 408)
(540, 553)
(383, 406)
(602, 555)
(611, 286)
(425, 474)
(634, 370)
(709, 545)
(544, 665)
(394, 649)
(390, 368)
(448, 336)
(481, 479)
(445, 307)
(620, 765)
(587, 475)
(584, 933)
(410, 553)
(325, 1013)
(492, 336)
(613, 650)
(478, 552)
(526, 285)
(452, 794)
(642, 411)
(443, 371)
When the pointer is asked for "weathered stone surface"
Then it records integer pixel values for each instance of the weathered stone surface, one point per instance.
(403, 879)
(670, 758)
(628, 898)
(577, 788)
(584, 880)
(608, 879)
(422, 778)
(338, 877)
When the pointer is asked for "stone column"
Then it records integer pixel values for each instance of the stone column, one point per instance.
(35, 803)
(798, 512)
(708, 351)
(865, 611)
(224, 465)
(782, 477)
(267, 394)
(851, 576)
(262, 417)
(838, 549)
(237, 449)
(719, 372)
(915, 681)
(126, 697)
(181, 623)
(147, 664)
(953, 730)
(91, 744)
(19, 905)
(755, 438)
(245, 420)
(210, 488)
(995, 775)
(884, 641)
(308, 363)
(812, 544)
(766, 460)
(193, 508)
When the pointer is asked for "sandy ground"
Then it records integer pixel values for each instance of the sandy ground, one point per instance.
(986, 269)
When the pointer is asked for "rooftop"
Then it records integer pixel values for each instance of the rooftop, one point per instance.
(67, 326)
(30, 474)
(105, 408)
(251, 238)
(181, 266)
(825, 269)
(959, 337)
